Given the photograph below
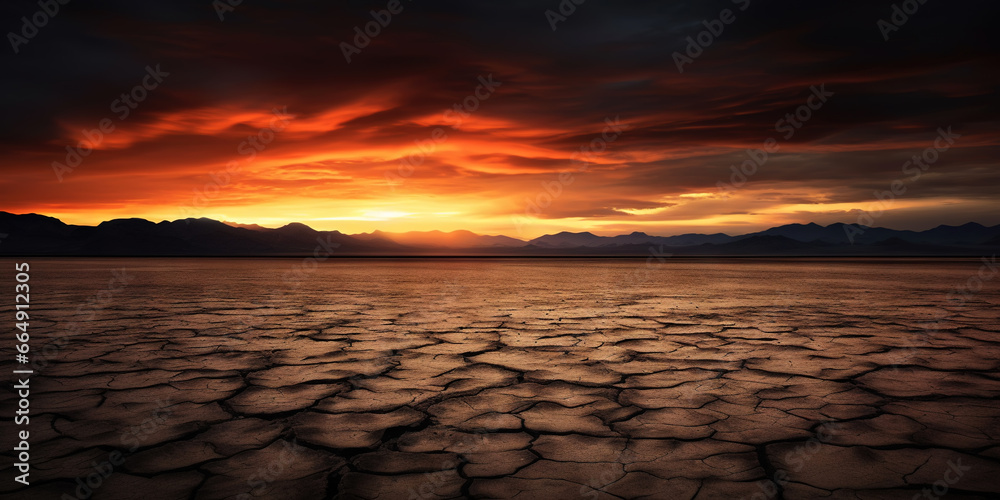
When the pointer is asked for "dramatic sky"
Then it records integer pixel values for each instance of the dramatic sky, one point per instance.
(512, 165)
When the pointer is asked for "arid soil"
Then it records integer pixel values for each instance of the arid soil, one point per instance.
(434, 379)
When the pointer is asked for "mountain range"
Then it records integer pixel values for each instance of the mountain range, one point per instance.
(39, 235)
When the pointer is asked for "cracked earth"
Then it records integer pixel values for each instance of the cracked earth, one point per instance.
(383, 379)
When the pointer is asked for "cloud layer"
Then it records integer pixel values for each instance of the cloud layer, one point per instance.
(407, 136)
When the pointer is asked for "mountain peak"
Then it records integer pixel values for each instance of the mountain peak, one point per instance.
(134, 221)
(254, 227)
(296, 226)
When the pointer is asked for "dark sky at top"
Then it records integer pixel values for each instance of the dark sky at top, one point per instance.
(337, 163)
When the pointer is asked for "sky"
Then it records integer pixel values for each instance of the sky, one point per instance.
(518, 117)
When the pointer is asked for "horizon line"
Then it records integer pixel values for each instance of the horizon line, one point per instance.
(242, 225)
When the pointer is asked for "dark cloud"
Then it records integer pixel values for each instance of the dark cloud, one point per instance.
(609, 58)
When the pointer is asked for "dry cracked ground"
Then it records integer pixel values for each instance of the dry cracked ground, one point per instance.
(423, 379)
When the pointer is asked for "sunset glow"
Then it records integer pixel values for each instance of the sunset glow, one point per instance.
(398, 142)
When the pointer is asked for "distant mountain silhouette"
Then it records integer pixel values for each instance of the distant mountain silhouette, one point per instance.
(38, 235)
(440, 239)
(968, 234)
(573, 240)
(257, 227)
